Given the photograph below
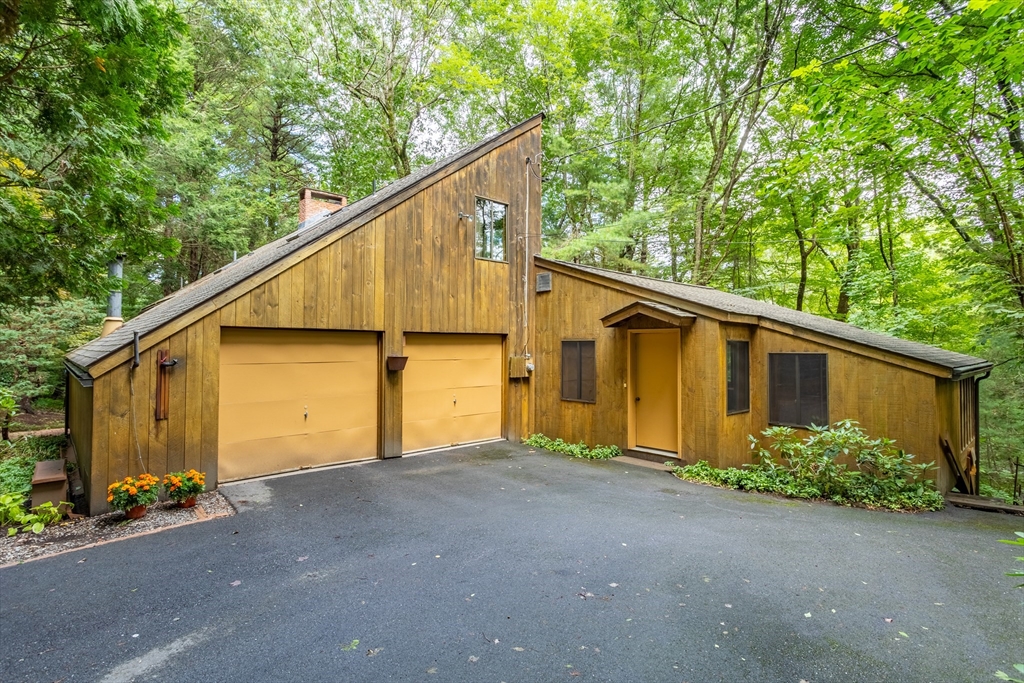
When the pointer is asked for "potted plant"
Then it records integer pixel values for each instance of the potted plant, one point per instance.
(183, 487)
(133, 494)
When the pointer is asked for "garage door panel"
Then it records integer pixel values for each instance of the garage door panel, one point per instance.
(420, 434)
(429, 375)
(270, 379)
(477, 400)
(295, 381)
(452, 346)
(442, 367)
(281, 454)
(424, 405)
(477, 427)
(479, 372)
(251, 346)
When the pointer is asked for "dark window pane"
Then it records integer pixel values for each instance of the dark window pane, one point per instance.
(798, 389)
(813, 390)
(588, 372)
(737, 370)
(570, 370)
(579, 371)
(784, 395)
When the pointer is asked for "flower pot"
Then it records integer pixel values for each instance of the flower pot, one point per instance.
(136, 512)
(188, 502)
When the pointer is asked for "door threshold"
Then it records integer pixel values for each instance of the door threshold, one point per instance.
(439, 449)
(653, 454)
(654, 451)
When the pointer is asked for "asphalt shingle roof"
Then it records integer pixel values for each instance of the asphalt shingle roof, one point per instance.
(958, 363)
(209, 286)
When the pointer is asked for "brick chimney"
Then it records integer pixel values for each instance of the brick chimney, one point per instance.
(314, 205)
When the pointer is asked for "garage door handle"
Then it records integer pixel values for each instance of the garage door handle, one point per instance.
(305, 414)
(454, 400)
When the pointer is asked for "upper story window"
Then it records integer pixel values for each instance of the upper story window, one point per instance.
(491, 219)
(737, 376)
(798, 389)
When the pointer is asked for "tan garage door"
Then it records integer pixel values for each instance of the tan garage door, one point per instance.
(451, 390)
(291, 399)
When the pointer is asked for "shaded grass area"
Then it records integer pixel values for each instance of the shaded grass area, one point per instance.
(18, 460)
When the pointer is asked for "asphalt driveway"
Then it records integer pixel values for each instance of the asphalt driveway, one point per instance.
(497, 564)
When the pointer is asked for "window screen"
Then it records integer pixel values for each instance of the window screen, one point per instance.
(579, 371)
(490, 229)
(737, 376)
(798, 389)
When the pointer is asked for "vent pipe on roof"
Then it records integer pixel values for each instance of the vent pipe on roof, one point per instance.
(115, 269)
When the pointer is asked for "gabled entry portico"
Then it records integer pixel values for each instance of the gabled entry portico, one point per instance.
(653, 333)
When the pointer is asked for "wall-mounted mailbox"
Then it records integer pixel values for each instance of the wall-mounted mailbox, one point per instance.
(397, 363)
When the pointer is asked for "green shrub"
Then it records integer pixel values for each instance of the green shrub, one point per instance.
(576, 450)
(18, 460)
(886, 477)
(15, 517)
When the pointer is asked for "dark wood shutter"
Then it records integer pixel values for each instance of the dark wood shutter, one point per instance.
(737, 376)
(798, 389)
(579, 371)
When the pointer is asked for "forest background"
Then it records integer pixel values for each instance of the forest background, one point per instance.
(861, 161)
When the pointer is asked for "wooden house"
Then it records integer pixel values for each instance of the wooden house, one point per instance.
(670, 370)
(420, 317)
(382, 329)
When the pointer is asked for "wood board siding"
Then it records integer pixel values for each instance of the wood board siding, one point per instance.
(411, 268)
(80, 417)
(127, 438)
(888, 400)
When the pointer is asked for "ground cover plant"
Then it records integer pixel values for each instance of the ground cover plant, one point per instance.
(576, 450)
(885, 476)
(18, 460)
(17, 517)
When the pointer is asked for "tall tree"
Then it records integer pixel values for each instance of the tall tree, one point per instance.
(83, 86)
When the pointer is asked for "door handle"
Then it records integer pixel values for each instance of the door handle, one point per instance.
(637, 399)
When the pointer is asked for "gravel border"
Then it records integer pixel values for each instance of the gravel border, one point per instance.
(113, 526)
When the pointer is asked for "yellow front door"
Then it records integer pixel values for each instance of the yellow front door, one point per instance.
(655, 389)
(451, 390)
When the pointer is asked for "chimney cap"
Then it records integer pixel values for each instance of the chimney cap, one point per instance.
(322, 195)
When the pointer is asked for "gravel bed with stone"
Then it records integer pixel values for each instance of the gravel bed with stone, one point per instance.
(84, 531)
